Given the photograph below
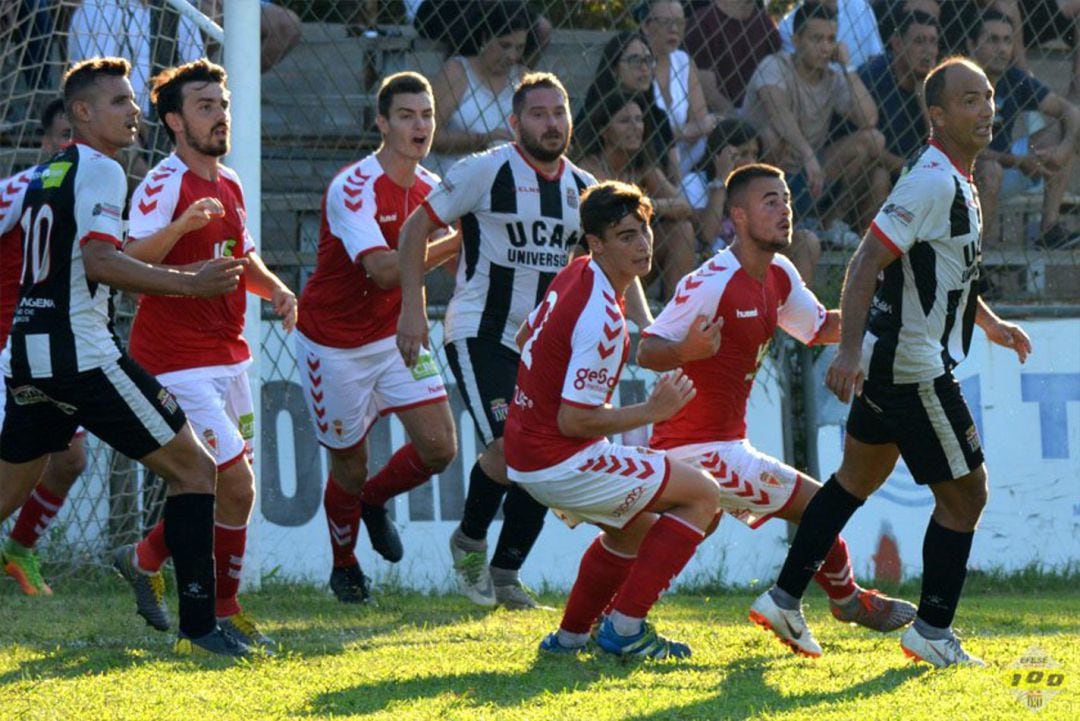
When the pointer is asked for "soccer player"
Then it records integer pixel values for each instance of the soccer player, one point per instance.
(64, 367)
(717, 328)
(898, 347)
(518, 208)
(573, 347)
(190, 209)
(17, 556)
(349, 364)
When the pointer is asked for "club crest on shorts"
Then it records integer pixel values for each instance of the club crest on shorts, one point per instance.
(339, 427)
(210, 438)
(499, 409)
(769, 479)
(972, 436)
(167, 400)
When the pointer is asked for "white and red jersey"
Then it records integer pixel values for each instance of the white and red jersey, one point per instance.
(751, 310)
(170, 333)
(363, 211)
(577, 345)
(11, 250)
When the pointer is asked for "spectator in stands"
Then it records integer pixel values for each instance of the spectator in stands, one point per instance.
(451, 22)
(280, 32)
(626, 67)
(611, 143)
(890, 12)
(727, 39)
(676, 87)
(1046, 20)
(795, 96)
(474, 91)
(895, 82)
(1014, 164)
(30, 24)
(55, 128)
(958, 17)
(731, 145)
(856, 30)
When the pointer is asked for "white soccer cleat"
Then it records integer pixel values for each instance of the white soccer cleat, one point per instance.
(472, 574)
(941, 652)
(789, 626)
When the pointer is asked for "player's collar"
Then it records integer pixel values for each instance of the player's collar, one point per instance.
(963, 171)
(541, 173)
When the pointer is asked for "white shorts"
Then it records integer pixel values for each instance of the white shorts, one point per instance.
(217, 402)
(604, 483)
(347, 389)
(754, 486)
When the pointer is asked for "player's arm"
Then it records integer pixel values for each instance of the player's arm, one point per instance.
(154, 247)
(412, 331)
(384, 267)
(1055, 106)
(702, 340)
(1001, 332)
(668, 397)
(264, 283)
(829, 333)
(105, 264)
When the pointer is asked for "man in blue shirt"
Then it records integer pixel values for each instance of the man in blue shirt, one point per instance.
(1011, 165)
(895, 80)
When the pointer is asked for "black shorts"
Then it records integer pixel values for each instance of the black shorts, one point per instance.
(929, 422)
(120, 403)
(486, 373)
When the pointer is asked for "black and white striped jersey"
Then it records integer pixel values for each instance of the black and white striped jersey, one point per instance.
(518, 226)
(923, 313)
(62, 322)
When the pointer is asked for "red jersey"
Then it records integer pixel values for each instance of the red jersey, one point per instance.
(169, 333)
(576, 349)
(362, 212)
(11, 252)
(751, 310)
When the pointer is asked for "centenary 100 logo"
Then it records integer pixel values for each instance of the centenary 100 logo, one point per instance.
(1035, 678)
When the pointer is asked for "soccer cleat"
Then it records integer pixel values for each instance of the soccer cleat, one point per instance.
(350, 585)
(149, 588)
(21, 563)
(473, 575)
(516, 597)
(789, 626)
(937, 652)
(242, 627)
(551, 645)
(873, 609)
(218, 642)
(647, 643)
(382, 532)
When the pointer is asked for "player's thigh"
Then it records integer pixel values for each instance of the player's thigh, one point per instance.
(486, 373)
(688, 488)
(938, 439)
(870, 442)
(339, 392)
(184, 463)
(204, 403)
(240, 409)
(35, 421)
(418, 397)
(65, 467)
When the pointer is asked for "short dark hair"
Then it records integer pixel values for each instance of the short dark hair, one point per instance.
(915, 17)
(740, 178)
(487, 20)
(729, 131)
(589, 133)
(49, 114)
(808, 11)
(989, 16)
(605, 204)
(406, 83)
(167, 87)
(533, 81)
(934, 86)
(83, 75)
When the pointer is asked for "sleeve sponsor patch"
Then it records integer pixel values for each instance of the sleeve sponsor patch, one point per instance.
(899, 212)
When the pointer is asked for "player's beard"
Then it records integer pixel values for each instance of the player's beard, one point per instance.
(210, 146)
(533, 145)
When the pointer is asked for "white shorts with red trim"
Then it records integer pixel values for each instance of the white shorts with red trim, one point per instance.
(217, 402)
(604, 483)
(754, 486)
(347, 389)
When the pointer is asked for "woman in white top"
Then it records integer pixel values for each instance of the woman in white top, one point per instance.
(474, 91)
(677, 87)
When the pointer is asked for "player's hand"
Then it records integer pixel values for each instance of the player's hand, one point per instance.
(845, 375)
(670, 394)
(200, 213)
(815, 177)
(283, 301)
(702, 340)
(842, 55)
(216, 277)
(1010, 335)
(724, 162)
(412, 335)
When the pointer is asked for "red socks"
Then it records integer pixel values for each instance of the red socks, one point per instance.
(404, 472)
(151, 552)
(36, 515)
(666, 549)
(601, 574)
(229, 542)
(343, 520)
(835, 576)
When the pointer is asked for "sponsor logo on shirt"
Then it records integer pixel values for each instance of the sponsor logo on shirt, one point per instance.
(752, 313)
(572, 198)
(224, 248)
(52, 176)
(107, 210)
(587, 376)
(521, 400)
(899, 212)
(391, 218)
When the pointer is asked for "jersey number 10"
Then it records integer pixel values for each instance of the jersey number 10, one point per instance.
(37, 230)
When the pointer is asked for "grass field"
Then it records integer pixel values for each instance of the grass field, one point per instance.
(83, 654)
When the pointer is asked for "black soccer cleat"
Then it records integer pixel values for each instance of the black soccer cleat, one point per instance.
(350, 585)
(384, 536)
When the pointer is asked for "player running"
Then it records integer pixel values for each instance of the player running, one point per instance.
(573, 347)
(898, 347)
(349, 366)
(190, 209)
(717, 328)
(64, 367)
(63, 468)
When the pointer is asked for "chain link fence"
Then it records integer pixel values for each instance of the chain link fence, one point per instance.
(669, 95)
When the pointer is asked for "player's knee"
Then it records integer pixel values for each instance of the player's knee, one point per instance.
(64, 469)
(871, 144)
(438, 453)
(235, 496)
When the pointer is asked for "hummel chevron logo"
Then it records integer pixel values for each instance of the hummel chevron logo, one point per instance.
(619, 466)
(313, 363)
(352, 192)
(612, 333)
(145, 207)
(354, 206)
(613, 313)
(316, 380)
(154, 189)
(604, 351)
(317, 396)
(691, 284)
(158, 177)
